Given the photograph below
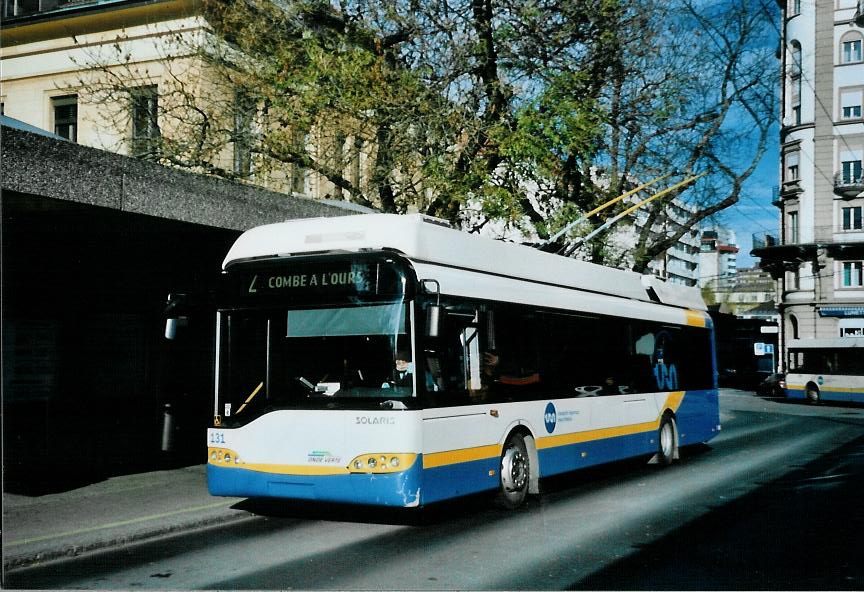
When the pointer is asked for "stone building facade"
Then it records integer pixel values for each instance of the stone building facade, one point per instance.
(817, 258)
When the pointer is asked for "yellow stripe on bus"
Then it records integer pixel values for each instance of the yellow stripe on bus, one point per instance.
(439, 459)
(832, 389)
(673, 402)
(271, 468)
(591, 435)
(695, 318)
(452, 457)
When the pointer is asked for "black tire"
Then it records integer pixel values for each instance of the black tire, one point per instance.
(812, 394)
(666, 445)
(514, 473)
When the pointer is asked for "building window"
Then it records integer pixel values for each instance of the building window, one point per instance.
(145, 120)
(850, 48)
(851, 331)
(793, 228)
(850, 103)
(852, 218)
(793, 8)
(793, 321)
(792, 170)
(795, 76)
(851, 171)
(25, 7)
(65, 112)
(853, 274)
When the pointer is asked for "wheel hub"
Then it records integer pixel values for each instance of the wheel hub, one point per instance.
(666, 439)
(513, 470)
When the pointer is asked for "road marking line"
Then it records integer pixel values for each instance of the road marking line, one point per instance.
(116, 524)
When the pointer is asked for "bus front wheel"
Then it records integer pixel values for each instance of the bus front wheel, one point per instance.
(666, 444)
(515, 471)
(812, 394)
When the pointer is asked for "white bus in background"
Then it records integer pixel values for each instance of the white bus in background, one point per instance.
(826, 370)
(390, 360)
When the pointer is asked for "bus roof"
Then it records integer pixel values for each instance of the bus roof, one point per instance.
(431, 241)
(835, 343)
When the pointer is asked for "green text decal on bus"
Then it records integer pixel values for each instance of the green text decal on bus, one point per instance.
(390, 360)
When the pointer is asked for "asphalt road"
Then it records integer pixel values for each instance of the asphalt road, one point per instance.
(773, 503)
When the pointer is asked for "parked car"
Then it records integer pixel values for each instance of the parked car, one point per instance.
(774, 385)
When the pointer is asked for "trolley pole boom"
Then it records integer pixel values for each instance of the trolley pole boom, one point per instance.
(600, 208)
(631, 209)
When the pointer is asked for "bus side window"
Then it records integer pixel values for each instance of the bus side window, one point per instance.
(471, 358)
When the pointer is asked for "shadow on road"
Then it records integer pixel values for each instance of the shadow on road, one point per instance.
(802, 532)
(333, 512)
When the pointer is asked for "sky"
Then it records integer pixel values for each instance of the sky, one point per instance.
(754, 213)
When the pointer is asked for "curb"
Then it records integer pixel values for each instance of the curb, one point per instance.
(73, 550)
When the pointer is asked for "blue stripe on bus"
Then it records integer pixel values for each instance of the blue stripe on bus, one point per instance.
(562, 459)
(396, 489)
(826, 395)
(449, 481)
(698, 417)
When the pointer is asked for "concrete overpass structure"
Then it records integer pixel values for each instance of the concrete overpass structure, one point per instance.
(92, 243)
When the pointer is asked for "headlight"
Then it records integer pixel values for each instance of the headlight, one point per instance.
(382, 463)
(223, 456)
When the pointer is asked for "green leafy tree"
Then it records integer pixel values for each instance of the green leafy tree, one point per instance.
(522, 114)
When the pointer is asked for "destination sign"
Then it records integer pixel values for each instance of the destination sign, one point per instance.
(358, 279)
(329, 280)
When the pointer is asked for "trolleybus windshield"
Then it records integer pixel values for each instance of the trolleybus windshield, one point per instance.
(328, 334)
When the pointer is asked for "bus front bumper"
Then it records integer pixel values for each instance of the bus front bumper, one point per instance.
(400, 489)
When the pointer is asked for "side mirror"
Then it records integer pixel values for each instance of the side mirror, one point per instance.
(434, 316)
(171, 329)
(434, 312)
(173, 315)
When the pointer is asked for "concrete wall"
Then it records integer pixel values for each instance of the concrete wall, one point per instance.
(43, 166)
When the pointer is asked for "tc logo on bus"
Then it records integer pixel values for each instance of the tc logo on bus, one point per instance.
(550, 417)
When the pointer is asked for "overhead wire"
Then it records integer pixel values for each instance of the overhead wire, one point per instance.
(808, 82)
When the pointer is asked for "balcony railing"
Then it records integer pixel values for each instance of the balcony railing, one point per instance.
(828, 235)
(847, 185)
(765, 239)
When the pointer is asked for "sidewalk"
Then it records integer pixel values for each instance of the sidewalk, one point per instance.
(113, 512)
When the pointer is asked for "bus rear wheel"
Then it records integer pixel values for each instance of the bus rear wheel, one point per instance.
(666, 445)
(812, 394)
(515, 472)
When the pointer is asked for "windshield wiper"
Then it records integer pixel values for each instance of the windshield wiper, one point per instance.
(305, 383)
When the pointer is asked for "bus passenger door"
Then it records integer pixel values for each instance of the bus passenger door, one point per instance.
(461, 435)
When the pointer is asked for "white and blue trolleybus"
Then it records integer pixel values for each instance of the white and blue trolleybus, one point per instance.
(826, 370)
(390, 360)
